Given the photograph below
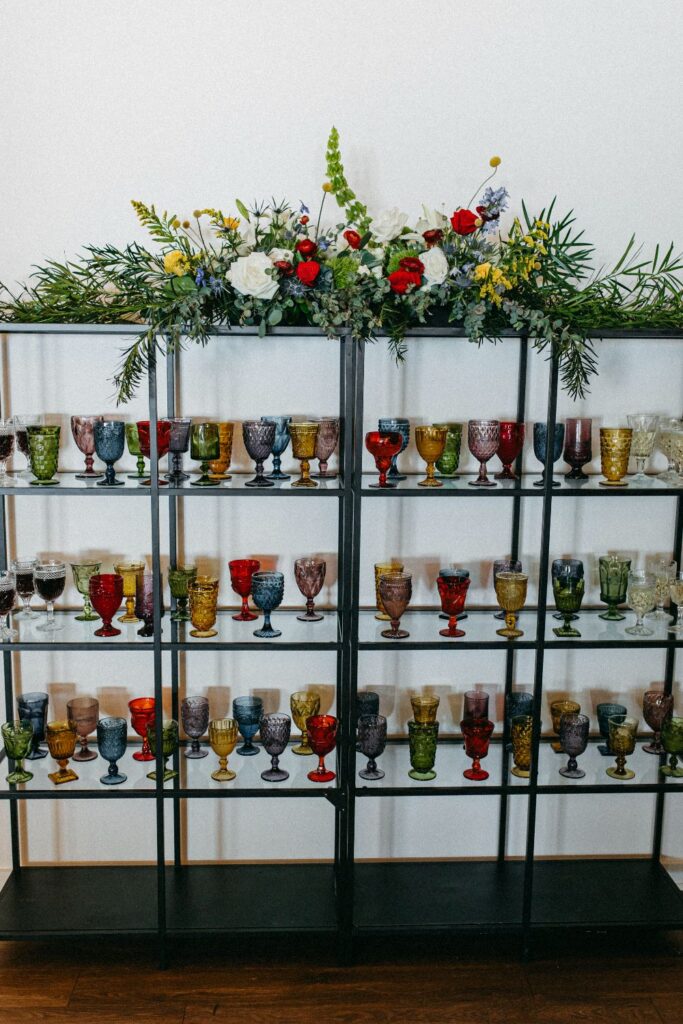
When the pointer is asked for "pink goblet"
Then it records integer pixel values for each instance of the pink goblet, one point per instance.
(483, 437)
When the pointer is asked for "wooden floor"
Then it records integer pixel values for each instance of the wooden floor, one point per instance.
(591, 979)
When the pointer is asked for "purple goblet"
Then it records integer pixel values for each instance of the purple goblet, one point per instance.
(483, 438)
(83, 431)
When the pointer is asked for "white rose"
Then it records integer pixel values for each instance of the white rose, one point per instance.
(341, 244)
(389, 224)
(281, 254)
(436, 266)
(431, 220)
(248, 275)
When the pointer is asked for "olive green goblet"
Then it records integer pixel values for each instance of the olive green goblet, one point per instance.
(622, 740)
(422, 738)
(614, 572)
(82, 571)
(672, 741)
(204, 448)
(133, 442)
(18, 739)
(447, 464)
(43, 448)
(169, 745)
(179, 580)
(568, 591)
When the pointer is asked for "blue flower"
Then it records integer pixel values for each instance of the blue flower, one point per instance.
(215, 285)
(293, 286)
(323, 244)
(302, 207)
(200, 277)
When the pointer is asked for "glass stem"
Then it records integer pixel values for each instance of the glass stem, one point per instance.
(372, 765)
(305, 469)
(27, 605)
(322, 467)
(482, 471)
(194, 746)
(310, 605)
(266, 620)
(383, 478)
(510, 620)
(140, 465)
(113, 768)
(50, 615)
(276, 463)
(274, 762)
(431, 470)
(321, 764)
(245, 605)
(640, 465)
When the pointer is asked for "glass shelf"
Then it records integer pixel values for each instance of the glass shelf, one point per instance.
(68, 484)
(523, 487)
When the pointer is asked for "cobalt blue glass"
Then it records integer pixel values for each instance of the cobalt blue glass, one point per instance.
(541, 447)
(394, 425)
(573, 568)
(463, 574)
(279, 444)
(32, 707)
(259, 439)
(275, 730)
(110, 437)
(111, 743)
(604, 713)
(267, 589)
(247, 712)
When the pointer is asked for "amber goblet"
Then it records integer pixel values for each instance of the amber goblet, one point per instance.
(304, 435)
(381, 569)
(241, 572)
(129, 572)
(84, 712)
(430, 442)
(322, 737)
(424, 707)
(483, 438)
(384, 447)
(615, 449)
(203, 591)
(142, 711)
(61, 742)
(510, 446)
(310, 576)
(452, 591)
(325, 443)
(83, 433)
(511, 590)
(657, 707)
(395, 590)
(521, 733)
(622, 740)
(505, 565)
(304, 704)
(577, 446)
(557, 709)
(223, 737)
(218, 468)
(477, 734)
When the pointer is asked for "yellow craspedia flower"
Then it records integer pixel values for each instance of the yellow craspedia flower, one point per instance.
(494, 161)
(176, 223)
(186, 224)
(231, 223)
(327, 186)
(176, 263)
(197, 213)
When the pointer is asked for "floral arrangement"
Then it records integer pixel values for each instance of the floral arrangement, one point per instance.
(274, 264)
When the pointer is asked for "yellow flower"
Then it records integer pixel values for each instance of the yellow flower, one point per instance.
(327, 186)
(197, 213)
(528, 239)
(481, 271)
(176, 223)
(231, 223)
(186, 224)
(494, 161)
(176, 263)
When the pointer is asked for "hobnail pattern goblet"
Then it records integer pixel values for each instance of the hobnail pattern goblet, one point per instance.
(604, 712)
(111, 743)
(424, 707)
(578, 448)
(614, 572)
(110, 436)
(557, 709)
(381, 569)
(194, 714)
(84, 712)
(395, 425)
(133, 443)
(241, 572)
(144, 603)
(163, 442)
(179, 580)
(672, 742)
(477, 735)
(483, 438)
(521, 734)
(447, 465)
(372, 739)
(383, 448)
(259, 439)
(275, 729)
(641, 596)
(666, 435)
(622, 740)
(23, 569)
(453, 592)
(310, 576)
(218, 468)
(541, 448)
(204, 449)
(129, 572)
(568, 590)
(203, 591)
(657, 707)
(83, 433)
(43, 447)
(322, 737)
(142, 711)
(615, 448)
(430, 442)
(475, 705)
(49, 580)
(21, 424)
(18, 739)
(511, 588)
(8, 592)
(395, 589)
(169, 745)
(664, 572)
(247, 712)
(178, 444)
(504, 565)
(303, 437)
(304, 704)
(280, 444)
(61, 742)
(106, 595)
(267, 590)
(223, 737)
(82, 573)
(676, 594)
(573, 741)
(643, 438)
(509, 447)
(326, 441)
(422, 740)
(32, 707)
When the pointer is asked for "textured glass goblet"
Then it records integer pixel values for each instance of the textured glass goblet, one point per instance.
(504, 565)
(203, 591)
(204, 448)
(622, 740)
(395, 590)
(517, 702)
(541, 448)
(218, 468)
(267, 591)
(573, 741)
(83, 433)
(614, 572)
(32, 707)
(475, 705)
(248, 712)
(163, 442)
(641, 596)
(672, 742)
(615, 448)
(477, 735)
(178, 444)
(310, 576)
(483, 438)
(106, 595)
(557, 709)
(23, 569)
(511, 588)
(326, 441)
(194, 714)
(8, 592)
(179, 580)
(453, 592)
(21, 423)
(43, 447)
(643, 438)
(657, 707)
(82, 572)
(303, 437)
(382, 569)
(448, 572)
(111, 743)
(280, 444)
(169, 745)
(49, 578)
(144, 602)
(383, 448)
(676, 594)
(322, 737)
(129, 573)
(666, 434)
(664, 572)
(447, 465)
(133, 443)
(604, 712)
(395, 425)
(422, 740)
(521, 734)
(7, 435)
(142, 712)
(259, 439)
(509, 447)
(304, 704)
(578, 448)
(61, 742)
(18, 740)
(84, 712)
(275, 729)
(372, 739)
(572, 567)
(424, 707)
(241, 572)
(431, 443)
(110, 436)
(568, 592)
(223, 737)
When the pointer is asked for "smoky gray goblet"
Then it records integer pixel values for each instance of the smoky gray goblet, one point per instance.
(275, 729)
(194, 713)
(248, 712)
(267, 591)
(178, 443)
(541, 448)
(325, 443)
(396, 425)
(111, 743)
(259, 438)
(475, 705)
(372, 739)
(279, 445)
(573, 740)
(110, 438)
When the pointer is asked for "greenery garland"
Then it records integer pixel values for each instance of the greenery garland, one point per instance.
(271, 264)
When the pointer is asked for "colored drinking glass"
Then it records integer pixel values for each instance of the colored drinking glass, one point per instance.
(275, 729)
(142, 712)
(111, 743)
(395, 425)
(326, 441)
(572, 567)
(614, 572)
(8, 592)
(568, 591)
(322, 737)
(61, 742)
(505, 565)
(578, 448)
(383, 448)
(604, 712)
(241, 572)
(267, 591)
(622, 740)
(475, 705)
(178, 444)
(511, 588)
(477, 735)
(449, 572)
(424, 707)
(367, 703)
(672, 742)
(259, 439)
(280, 444)
(395, 590)
(144, 602)
(133, 443)
(82, 572)
(430, 443)
(129, 573)
(304, 704)
(194, 714)
(521, 735)
(483, 438)
(641, 596)
(83, 433)
(372, 739)
(557, 709)
(110, 438)
(676, 594)
(247, 712)
(509, 447)
(541, 449)
(43, 447)
(23, 569)
(84, 712)
(644, 427)
(163, 442)
(309, 574)
(573, 741)
(203, 591)
(447, 464)
(21, 424)
(303, 437)
(422, 740)
(218, 468)
(179, 580)
(381, 569)
(169, 745)
(517, 703)
(657, 707)
(615, 448)
(32, 707)
(453, 592)
(49, 578)
(223, 737)
(204, 448)
(106, 595)
(18, 740)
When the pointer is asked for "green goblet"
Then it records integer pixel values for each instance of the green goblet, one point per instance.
(422, 739)
(178, 582)
(82, 572)
(448, 464)
(133, 442)
(204, 448)
(568, 591)
(614, 572)
(43, 450)
(169, 745)
(672, 741)
(18, 737)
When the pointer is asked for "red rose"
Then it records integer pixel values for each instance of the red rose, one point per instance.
(464, 222)
(412, 264)
(285, 267)
(307, 272)
(481, 210)
(304, 219)
(433, 236)
(306, 247)
(401, 280)
(353, 238)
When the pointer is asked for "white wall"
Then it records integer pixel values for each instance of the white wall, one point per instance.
(185, 105)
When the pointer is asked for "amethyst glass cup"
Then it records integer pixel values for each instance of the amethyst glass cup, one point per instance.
(483, 438)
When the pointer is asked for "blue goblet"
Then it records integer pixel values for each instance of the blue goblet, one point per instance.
(248, 712)
(110, 437)
(267, 589)
(541, 447)
(111, 742)
(395, 425)
(279, 444)
(32, 707)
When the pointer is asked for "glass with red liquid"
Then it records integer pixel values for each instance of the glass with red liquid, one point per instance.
(26, 588)
(241, 572)
(106, 595)
(142, 712)
(21, 422)
(49, 578)
(322, 737)
(8, 590)
(7, 429)
(163, 443)
(477, 734)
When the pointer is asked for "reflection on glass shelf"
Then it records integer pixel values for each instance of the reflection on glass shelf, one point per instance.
(509, 488)
(451, 761)
(74, 632)
(238, 485)
(595, 765)
(68, 483)
(89, 773)
(423, 626)
(593, 629)
(324, 633)
(196, 773)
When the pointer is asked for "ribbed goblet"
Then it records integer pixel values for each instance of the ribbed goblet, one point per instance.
(304, 704)
(203, 591)
(205, 449)
(578, 449)
(110, 437)
(477, 735)
(505, 565)
(447, 465)
(558, 708)
(672, 742)
(326, 441)
(83, 433)
(541, 448)
(511, 588)
(641, 596)
(367, 703)
(241, 572)
(622, 740)
(614, 573)
(664, 570)
(280, 444)
(32, 707)
(381, 569)
(383, 448)
(431, 442)
(453, 592)
(448, 572)
(303, 437)
(310, 576)
(218, 468)
(223, 737)
(372, 739)
(483, 438)
(509, 447)
(573, 741)
(259, 439)
(129, 572)
(81, 573)
(194, 714)
(18, 739)
(111, 743)
(169, 745)
(178, 444)
(395, 590)
(572, 567)
(84, 712)
(395, 425)
(657, 707)
(615, 448)
(643, 438)
(275, 730)
(43, 447)
(267, 591)
(61, 742)
(248, 712)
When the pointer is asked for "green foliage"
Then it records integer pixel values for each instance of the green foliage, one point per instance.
(356, 211)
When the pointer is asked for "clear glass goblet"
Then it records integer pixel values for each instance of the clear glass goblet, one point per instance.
(641, 596)
(676, 594)
(666, 435)
(644, 427)
(664, 571)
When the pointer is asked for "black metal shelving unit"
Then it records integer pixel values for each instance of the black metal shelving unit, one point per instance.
(345, 898)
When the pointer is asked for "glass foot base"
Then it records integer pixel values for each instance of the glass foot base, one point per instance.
(85, 755)
(194, 755)
(50, 629)
(139, 756)
(614, 773)
(482, 483)
(659, 617)
(245, 617)
(399, 634)
(521, 773)
(561, 617)
(17, 777)
(575, 474)
(429, 482)
(422, 776)
(303, 750)
(510, 634)
(613, 483)
(259, 482)
(65, 775)
(113, 780)
(203, 481)
(105, 483)
(388, 486)
(639, 631)
(275, 775)
(107, 631)
(453, 634)
(25, 614)
(224, 775)
(562, 632)
(126, 618)
(541, 483)
(175, 479)
(278, 476)
(204, 634)
(476, 775)
(313, 617)
(372, 776)
(321, 776)
(325, 476)
(47, 483)
(168, 774)
(304, 483)
(247, 751)
(674, 773)
(88, 618)
(88, 476)
(653, 748)
(268, 634)
(220, 476)
(175, 617)
(569, 774)
(611, 616)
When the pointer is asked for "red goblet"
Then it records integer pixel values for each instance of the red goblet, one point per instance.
(163, 442)
(106, 595)
(477, 733)
(241, 571)
(142, 712)
(383, 446)
(322, 736)
(509, 447)
(452, 591)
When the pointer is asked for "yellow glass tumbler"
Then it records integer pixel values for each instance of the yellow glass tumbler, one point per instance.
(203, 593)
(615, 448)
(218, 468)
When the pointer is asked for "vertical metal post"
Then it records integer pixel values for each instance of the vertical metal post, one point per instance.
(172, 360)
(9, 695)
